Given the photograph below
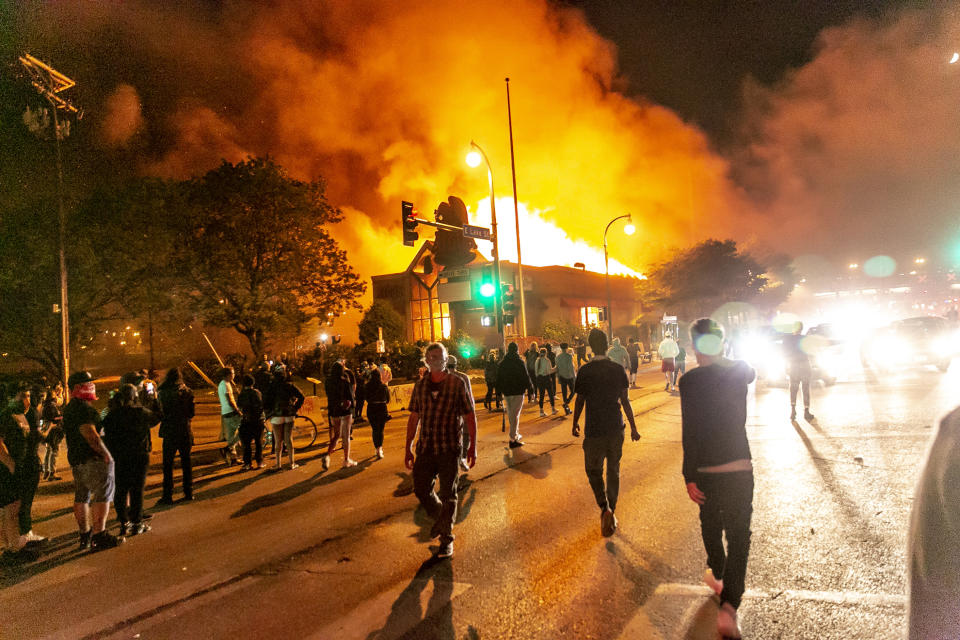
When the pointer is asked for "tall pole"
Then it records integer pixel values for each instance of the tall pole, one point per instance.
(516, 213)
(606, 267)
(498, 289)
(62, 224)
(50, 83)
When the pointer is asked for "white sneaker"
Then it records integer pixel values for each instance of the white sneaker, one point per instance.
(553, 412)
(33, 537)
(711, 581)
(349, 463)
(542, 414)
(325, 462)
(379, 453)
(727, 621)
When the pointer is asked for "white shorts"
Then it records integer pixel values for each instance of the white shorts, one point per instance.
(281, 420)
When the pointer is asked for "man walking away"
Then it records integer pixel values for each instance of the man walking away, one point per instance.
(633, 351)
(668, 351)
(716, 464)
(544, 371)
(229, 415)
(567, 375)
(602, 386)
(92, 464)
(492, 401)
(531, 355)
(680, 362)
(581, 352)
(438, 401)
(465, 443)
(800, 371)
(178, 409)
(513, 380)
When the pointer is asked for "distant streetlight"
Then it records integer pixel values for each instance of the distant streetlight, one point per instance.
(955, 57)
(854, 265)
(920, 260)
(474, 158)
(629, 229)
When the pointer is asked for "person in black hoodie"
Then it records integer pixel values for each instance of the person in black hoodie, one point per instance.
(513, 381)
(126, 432)
(250, 402)
(177, 406)
(339, 411)
(378, 396)
(281, 403)
(494, 397)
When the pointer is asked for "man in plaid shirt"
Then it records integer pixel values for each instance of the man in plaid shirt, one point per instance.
(438, 401)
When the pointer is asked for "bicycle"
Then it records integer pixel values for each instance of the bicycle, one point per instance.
(304, 434)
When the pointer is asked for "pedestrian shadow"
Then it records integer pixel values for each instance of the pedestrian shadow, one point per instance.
(320, 479)
(536, 466)
(434, 621)
(56, 551)
(405, 487)
(848, 506)
(703, 623)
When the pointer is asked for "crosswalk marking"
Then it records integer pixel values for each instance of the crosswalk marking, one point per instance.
(833, 597)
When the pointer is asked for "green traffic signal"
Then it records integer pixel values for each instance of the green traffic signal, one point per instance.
(487, 290)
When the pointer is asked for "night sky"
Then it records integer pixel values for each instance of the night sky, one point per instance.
(693, 55)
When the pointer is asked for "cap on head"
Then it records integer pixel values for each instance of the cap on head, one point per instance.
(79, 377)
(451, 360)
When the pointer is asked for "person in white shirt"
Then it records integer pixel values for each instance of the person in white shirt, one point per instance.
(230, 416)
(668, 350)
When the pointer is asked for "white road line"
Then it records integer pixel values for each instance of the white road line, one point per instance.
(834, 597)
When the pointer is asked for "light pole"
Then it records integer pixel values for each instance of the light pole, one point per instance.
(516, 213)
(628, 229)
(49, 83)
(473, 160)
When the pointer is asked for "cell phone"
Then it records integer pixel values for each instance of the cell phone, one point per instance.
(149, 387)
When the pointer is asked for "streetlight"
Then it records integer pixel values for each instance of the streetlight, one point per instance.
(628, 229)
(954, 57)
(474, 158)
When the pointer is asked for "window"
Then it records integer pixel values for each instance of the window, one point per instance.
(591, 316)
(423, 301)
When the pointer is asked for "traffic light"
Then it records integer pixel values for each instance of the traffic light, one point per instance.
(509, 303)
(487, 289)
(409, 224)
(451, 248)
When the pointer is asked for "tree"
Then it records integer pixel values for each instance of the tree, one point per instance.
(255, 255)
(698, 280)
(559, 331)
(381, 314)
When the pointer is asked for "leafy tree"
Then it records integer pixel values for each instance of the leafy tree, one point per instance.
(559, 331)
(696, 281)
(381, 314)
(254, 253)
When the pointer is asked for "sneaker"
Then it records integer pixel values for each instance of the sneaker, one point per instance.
(515, 443)
(349, 463)
(325, 462)
(727, 623)
(808, 416)
(542, 414)
(379, 453)
(553, 411)
(711, 581)
(189, 498)
(85, 537)
(793, 414)
(136, 528)
(124, 528)
(567, 411)
(255, 465)
(104, 540)
(33, 537)
(445, 550)
(245, 467)
(164, 501)
(464, 465)
(294, 466)
(607, 523)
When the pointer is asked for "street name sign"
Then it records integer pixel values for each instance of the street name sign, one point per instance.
(481, 233)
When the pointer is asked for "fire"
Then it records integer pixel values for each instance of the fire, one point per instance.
(543, 243)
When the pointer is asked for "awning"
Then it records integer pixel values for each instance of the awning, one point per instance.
(577, 303)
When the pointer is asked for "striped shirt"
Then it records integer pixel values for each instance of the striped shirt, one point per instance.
(440, 405)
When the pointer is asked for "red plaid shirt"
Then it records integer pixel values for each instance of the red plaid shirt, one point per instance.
(440, 405)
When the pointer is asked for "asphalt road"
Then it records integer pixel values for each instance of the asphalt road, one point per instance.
(345, 553)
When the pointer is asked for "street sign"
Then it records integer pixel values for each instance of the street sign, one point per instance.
(481, 233)
(459, 272)
(668, 319)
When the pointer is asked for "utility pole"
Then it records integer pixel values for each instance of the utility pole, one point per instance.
(49, 83)
(516, 214)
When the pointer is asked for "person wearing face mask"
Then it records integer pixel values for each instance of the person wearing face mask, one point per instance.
(93, 466)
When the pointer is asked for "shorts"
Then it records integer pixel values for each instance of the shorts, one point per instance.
(281, 420)
(667, 365)
(229, 424)
(94, 481)
(634, 365)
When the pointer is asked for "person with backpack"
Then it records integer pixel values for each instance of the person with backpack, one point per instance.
(281, 402)
(250, 402)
